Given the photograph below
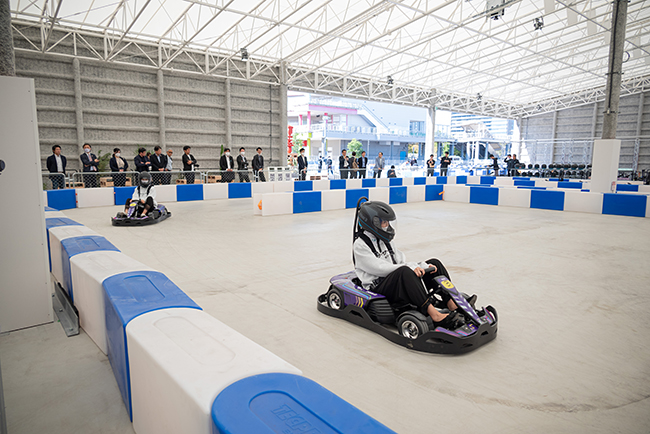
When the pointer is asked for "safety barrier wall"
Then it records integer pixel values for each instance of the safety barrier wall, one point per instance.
(410, 190)
(176, 366)
(554, 195)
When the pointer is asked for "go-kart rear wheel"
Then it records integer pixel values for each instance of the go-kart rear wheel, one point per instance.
(335, 299)
(411, 327)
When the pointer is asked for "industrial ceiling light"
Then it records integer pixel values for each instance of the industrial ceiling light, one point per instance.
(244, 54)
(389, 79)
(538, 23)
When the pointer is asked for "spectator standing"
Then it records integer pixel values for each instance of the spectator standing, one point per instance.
(508, 160)
(158, 164)
(167, 177)
(445, 161)
(354, 166)
(227, 164)
(189, 163)
(363, 164)
(329, 165)
(142, 162)
(344, 164)
(56, 164)
(495, 165)
(258, 166)
(118, 164)
(431, 164)
(302, 165)
(379, 165)
(90, 164)
(242, 166)
(513, 168)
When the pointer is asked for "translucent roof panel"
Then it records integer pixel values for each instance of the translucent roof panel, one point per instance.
(536, 50)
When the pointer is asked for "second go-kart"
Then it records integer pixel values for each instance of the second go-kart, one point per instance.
(404, 324)
(133, 215)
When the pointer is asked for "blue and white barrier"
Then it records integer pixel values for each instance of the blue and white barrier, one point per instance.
(89, 270)
(180, 360)
(127, 296)
(73, 246)
(171, 360)
(54, 237)
(483, 190)
(285, 403)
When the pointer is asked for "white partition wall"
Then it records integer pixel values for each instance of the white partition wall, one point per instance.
(25, 294)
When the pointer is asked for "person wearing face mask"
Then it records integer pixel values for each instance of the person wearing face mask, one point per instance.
(242, 166)
(90, 164)
(258, 166)
(302, 165)
(118, 164)
(189, 163)
(227, 164)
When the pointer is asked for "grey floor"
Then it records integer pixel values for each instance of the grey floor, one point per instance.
(572, 291)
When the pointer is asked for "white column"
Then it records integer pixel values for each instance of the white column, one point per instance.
(604, 165)
(429, 139)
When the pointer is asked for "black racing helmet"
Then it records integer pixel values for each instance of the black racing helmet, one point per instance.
(145, 179)
(371, 215)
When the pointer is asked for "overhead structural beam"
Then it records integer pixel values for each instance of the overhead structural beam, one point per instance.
(614, 71)
(128, 29)
(52, 21)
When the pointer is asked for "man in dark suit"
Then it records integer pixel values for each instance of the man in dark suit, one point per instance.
(302, 165)
(242, 166)
(158, 165)
(189, 163)
(90, 164)
(227, 164)
(142, 162)
(444, 164)
(258, 166)
(344, 164)
(363, 163)
(56, 164)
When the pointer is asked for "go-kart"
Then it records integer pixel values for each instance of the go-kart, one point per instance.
(133, 216)
(405, 325)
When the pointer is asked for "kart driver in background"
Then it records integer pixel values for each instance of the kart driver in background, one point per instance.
(384, 270)
(145, 193)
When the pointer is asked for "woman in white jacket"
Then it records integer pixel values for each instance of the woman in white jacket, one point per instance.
(384, 269)
(145, 194)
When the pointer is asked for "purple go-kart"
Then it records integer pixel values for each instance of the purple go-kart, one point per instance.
(134, 218)
(405, 325)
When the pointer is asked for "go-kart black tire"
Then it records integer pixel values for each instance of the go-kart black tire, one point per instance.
(411, 327)
(335, 299)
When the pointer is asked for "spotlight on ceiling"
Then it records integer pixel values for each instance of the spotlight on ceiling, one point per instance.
(538, 23)
(389, 79)
(244, 54)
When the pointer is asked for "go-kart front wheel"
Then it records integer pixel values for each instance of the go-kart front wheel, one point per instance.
(410, 326)
(335, 299)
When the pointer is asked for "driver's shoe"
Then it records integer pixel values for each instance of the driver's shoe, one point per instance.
(472, 300)
(120, 215)
(451, 321)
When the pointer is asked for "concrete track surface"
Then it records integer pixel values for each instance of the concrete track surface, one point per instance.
(572, 292)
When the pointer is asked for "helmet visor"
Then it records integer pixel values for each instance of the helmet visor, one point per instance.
(386, 226)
